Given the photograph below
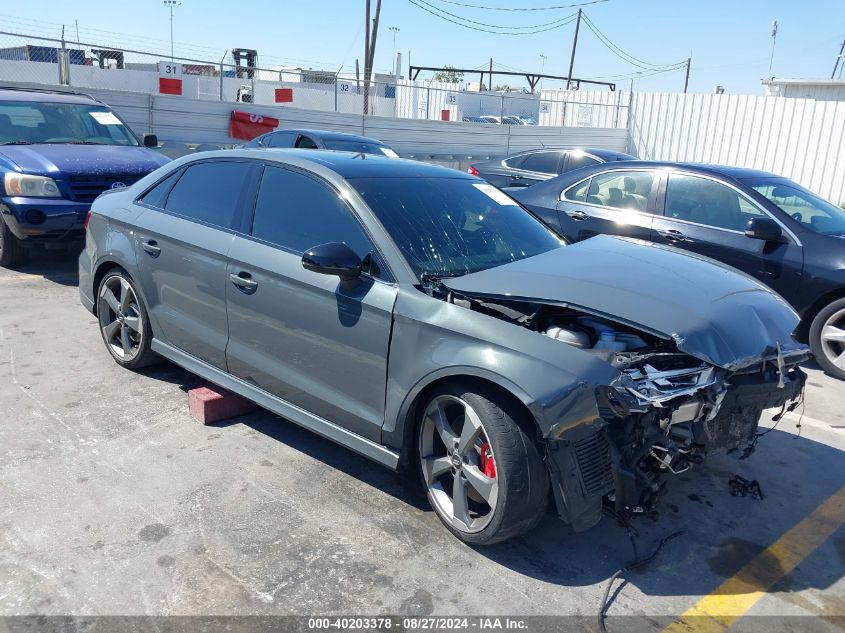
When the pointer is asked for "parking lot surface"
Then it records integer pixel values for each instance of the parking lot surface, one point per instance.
(114, 501)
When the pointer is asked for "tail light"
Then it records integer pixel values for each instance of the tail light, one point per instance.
(472, 171)
(87, 220)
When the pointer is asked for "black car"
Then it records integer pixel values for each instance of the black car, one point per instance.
(767, 226)
(528, 168)
(322, 139)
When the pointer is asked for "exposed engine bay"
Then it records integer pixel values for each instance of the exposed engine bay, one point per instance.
(665, 413)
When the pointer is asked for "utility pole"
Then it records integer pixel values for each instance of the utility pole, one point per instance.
(490, 87)
(774, 39)
(369, 49)
(170, 4)
(574, 44)
(838, 59)
(686, 79)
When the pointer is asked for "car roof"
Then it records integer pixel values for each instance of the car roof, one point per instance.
(45, 96)
(595, 151)
(327, 134)
(701, 168)
(344, 164)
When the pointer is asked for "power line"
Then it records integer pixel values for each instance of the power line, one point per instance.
(492, 26)
(558, 25)
(563, 6)
(639, 75)
(616, 50)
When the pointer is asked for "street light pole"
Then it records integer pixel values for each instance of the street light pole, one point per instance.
(542, 69)
(395, 30)
(774, 41)
(171, 4)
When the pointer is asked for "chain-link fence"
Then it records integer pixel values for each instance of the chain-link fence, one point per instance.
(238, 77)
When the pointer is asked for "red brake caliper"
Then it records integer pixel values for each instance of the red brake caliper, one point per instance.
(488, 464)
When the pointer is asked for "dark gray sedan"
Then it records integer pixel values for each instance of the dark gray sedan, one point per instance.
(422, 318)
(322, 139)
(528, 168)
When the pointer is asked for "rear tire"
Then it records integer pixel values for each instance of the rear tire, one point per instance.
(12, 252)
(462, 428)
(124, 324)
(827, 339)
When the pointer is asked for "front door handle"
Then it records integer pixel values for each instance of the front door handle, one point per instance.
(676, 237)
(152, 248)
(244, 282)
(576, 214)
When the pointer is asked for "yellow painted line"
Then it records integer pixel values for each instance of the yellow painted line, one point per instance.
(716, 612)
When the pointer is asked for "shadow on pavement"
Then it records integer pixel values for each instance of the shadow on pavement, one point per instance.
(60, 267)
(723, 533)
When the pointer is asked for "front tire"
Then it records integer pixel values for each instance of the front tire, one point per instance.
(482, 473)
(123, 321)
(12, 252)
(827, 339)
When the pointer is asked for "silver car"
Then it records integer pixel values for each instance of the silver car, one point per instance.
(422, 318)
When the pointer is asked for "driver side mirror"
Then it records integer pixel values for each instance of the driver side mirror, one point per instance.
(765, 229)
(150, 140)
(334, 258)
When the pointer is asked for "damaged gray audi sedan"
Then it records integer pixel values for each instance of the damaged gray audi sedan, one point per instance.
(422, 318)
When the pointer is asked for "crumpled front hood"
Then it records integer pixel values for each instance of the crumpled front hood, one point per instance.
(82, 160)
(713, 313)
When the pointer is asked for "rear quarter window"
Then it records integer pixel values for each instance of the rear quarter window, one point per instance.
(157, 196)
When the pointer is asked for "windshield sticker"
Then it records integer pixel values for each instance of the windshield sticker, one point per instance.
(497, 196)
(105, 118)
(388, 152)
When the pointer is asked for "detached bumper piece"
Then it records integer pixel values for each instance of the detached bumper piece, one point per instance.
(641, 437)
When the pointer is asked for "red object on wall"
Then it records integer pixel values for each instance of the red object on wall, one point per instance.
(284, 95)
(444, 115)
(167, 86)
(246, 126)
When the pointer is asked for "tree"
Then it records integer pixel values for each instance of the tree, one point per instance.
(449, 75)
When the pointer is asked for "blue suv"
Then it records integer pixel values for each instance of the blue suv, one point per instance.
(58, 152)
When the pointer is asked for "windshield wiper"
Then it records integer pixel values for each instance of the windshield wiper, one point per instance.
(16, 143)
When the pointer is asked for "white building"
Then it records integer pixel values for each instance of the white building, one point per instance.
(819, 89)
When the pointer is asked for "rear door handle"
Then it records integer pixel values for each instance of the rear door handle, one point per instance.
(152, 247)
(575, 214)
(673, 236)
(244, 282)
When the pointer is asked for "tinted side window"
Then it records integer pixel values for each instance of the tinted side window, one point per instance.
(543, 162)
(306, 143)
(157, 196)
(707, 202)
(577, 161)
(578, 193)
(280, 140)
(621, 189)
(210, 192)
(297, 212)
